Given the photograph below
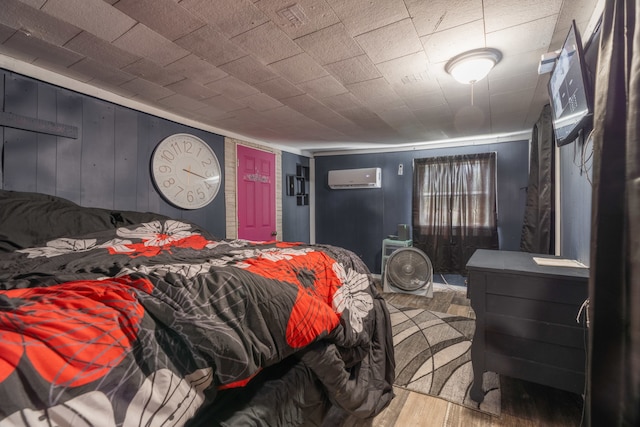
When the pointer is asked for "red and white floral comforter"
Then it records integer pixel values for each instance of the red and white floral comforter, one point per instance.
(149, 323)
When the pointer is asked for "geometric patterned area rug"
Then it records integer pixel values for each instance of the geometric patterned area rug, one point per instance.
(433, 356)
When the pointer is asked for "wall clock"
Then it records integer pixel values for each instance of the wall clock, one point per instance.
(185, 171)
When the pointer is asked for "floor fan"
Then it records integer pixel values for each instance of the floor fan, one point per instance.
(409, 270)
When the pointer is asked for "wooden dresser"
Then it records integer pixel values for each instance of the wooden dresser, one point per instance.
(526, 319)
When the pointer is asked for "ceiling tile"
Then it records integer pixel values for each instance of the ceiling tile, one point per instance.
(399, 117)
(99, 72)
(502, 103)
(438, 15)
(224, 102)
(260, 102)
(89, 45)
(144, 42)
(314, 14)
(38, 24)
(249, 70)
(146, 90)
(151, 71)
(390, 42)
(501, 14)
(196, 69)
(376, 94)
(527, 37)
(444, 45)
(353, 70)
(510, 121)
(93, 16)
(440, 118)
(471, 119)
(458, 95)
(514, 83)
(34, 3)
(299, 68)
(30, 49)
(581, 12)
(5, 33)
(232, 87)
(211, 112)
(341, 102)
(319, 112)
(278, 88)
(247, 115)
(514, 64)
(232, 17)
(267, 43)
(322, 87)
(361, 16)
(192, 89)
(330, 44)
(163, 16)
(177, 102)
(118, 90)
(410, 67)
(210, 44)
(416, 86)
(421, 101)
(284, 114)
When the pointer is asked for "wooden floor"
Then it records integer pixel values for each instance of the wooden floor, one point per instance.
(524, 404)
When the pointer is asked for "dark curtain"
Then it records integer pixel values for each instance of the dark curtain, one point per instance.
(613, 378)
(537, 226)
(454, 208)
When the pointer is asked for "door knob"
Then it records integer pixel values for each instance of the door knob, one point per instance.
(274, 233)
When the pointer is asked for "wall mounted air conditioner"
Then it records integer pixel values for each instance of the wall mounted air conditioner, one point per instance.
(355, 178)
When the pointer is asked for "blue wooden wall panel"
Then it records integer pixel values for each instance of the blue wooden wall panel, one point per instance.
(125, 158)
(98, 166)
(47, 144)
(107, 166)
(69, 151)
(210, 218)
(21, 147)
(143, 177)
(21, 97)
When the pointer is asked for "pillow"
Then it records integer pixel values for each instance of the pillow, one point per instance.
(28, 219)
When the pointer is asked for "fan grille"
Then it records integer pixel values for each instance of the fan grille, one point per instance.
(409, 269)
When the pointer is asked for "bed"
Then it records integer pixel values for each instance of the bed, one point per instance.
(120, 318)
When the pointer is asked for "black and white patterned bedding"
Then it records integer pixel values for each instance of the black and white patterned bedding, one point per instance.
(157, 323)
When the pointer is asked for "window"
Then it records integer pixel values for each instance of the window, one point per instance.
(454, 207)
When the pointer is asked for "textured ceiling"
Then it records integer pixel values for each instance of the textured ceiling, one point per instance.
(311, 74)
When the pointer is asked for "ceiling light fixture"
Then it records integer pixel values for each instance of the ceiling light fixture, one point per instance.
(474, 65)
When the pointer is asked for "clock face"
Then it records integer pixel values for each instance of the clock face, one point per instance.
(185, 170)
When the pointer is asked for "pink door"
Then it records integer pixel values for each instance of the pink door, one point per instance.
(256, 194)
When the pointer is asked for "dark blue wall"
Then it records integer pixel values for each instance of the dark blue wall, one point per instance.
(107, 166)
(295, 218)
(360, 219)
(575, 200)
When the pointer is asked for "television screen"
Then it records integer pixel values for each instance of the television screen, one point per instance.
(570, 104)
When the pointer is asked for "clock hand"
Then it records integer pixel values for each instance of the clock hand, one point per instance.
(193, 173)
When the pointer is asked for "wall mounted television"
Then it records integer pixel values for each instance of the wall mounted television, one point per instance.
(571, 106)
